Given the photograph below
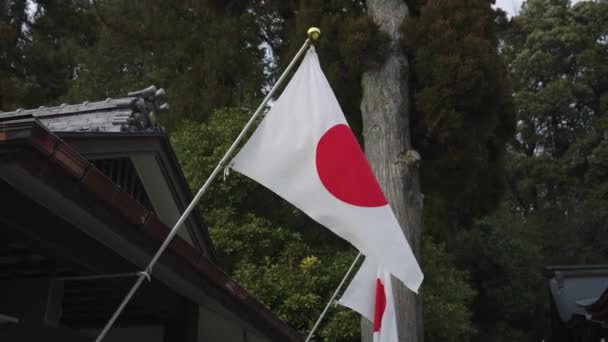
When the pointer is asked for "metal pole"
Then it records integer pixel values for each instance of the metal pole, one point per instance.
(331, 300)
(312, 35)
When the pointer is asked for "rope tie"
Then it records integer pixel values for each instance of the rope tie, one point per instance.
(226, 171)
(145, 274)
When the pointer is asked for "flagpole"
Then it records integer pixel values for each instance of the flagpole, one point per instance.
(333, 297)
(313, 34)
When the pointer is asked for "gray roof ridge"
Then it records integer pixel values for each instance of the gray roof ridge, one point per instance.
(137, 112)
(66, 109)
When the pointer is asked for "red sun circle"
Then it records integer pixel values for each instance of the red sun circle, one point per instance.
(344, 171)
(380, 305)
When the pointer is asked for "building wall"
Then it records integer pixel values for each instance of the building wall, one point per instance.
(214, 326)
(36, 333)
(149, 333)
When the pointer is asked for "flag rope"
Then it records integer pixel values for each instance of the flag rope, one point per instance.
(333, 297)
(313, 34)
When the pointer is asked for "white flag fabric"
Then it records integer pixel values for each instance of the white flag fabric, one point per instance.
(370, 293)
(305, 152)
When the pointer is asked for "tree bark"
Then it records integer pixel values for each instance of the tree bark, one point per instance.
(386, 132)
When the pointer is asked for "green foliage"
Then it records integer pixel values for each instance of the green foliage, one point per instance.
(483, 283)
(38, 49)
(558, 59)
(287, 261)
(206, 55)
(462, 115)
(503, 256)
(558, 209)
(446, 296)
(201, 146)
(297, 284)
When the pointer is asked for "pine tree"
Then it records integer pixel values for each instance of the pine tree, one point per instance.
(463, 112)
(204, 53)
(559, 177)
(38, 45)
(555, 207)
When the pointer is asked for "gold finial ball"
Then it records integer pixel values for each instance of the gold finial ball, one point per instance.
(314, 33)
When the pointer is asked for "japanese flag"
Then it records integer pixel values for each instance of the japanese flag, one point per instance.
(370, 293)
(305, 152)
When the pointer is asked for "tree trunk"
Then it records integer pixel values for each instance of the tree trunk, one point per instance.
(386, 132)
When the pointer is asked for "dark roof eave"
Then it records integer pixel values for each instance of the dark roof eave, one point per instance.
(29, 131)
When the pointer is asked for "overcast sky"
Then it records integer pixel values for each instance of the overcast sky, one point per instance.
(512, 7)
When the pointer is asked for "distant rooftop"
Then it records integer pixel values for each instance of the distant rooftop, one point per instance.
(578, 290)
(138, 112)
